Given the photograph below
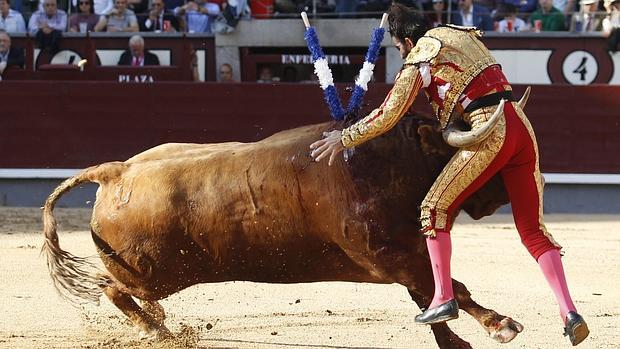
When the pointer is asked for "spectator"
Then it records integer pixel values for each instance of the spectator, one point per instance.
(159, 20)
(9, 56)
(612, 18)
(11, 21)
(233, 11)
(511, 23)
(85, 19)
(586, 20)
(439, 15)
(137, 56)
(120, 19)
(226, 73)
(47, 25)
(265, 75)
(475, 15)
(611, 24)
(198, 15)
(551, 18)
(103, 7)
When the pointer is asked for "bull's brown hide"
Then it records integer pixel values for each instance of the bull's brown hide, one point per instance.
(181, 214)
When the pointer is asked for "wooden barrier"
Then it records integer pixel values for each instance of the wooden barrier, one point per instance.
(80, 123)
(101, 50)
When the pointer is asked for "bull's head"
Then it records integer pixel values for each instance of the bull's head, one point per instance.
(397, 169)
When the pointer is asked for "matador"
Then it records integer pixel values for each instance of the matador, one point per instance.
(464, 84)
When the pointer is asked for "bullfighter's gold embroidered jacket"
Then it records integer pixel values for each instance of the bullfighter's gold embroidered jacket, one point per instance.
(444, 61)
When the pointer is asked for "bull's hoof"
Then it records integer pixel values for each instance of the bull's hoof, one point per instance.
(147, 335)
(157, 335)
(506, 330)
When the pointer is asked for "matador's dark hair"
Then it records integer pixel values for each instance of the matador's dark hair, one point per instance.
(406, 22)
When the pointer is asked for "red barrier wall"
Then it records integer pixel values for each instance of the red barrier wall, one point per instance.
(78, 124)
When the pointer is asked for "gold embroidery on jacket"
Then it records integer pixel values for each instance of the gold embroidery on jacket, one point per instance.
(460, 172)
(462, 57)
(380, 120)
(424, 50)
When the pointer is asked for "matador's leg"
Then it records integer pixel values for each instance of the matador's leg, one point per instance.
(466, 172)
(524, 184)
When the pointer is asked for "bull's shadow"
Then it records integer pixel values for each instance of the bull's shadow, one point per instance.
(181, 214)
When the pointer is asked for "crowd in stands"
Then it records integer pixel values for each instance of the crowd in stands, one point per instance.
(49, 18)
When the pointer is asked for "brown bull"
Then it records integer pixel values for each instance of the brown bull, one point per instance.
(182, 214)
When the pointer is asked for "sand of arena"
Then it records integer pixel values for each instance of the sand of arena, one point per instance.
(488, 258)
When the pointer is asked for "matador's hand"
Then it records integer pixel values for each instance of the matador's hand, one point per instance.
(330, 145)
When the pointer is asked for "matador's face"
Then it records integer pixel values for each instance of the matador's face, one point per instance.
(404, 47)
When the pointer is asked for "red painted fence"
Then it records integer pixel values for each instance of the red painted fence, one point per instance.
(54, 124)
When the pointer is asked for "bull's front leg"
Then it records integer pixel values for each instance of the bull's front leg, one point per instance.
(499, 327)
(414, 272)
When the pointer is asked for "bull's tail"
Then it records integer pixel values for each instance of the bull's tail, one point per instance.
(76, 278)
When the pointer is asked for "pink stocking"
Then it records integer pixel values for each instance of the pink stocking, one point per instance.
(440, 250)
(551, 266)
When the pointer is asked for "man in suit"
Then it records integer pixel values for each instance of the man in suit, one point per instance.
(137, 56)
(9, 56)
(475, 15)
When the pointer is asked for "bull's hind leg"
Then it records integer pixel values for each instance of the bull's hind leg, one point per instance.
(499, 327)
(150, 328)
(155, 310)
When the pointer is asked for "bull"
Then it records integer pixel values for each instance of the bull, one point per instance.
(181, 214)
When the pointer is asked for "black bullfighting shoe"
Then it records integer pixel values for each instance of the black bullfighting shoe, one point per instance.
(442, 313)
(576, 328)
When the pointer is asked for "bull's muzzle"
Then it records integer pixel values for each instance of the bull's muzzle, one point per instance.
(463, 139)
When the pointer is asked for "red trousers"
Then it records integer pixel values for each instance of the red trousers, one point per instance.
(510, 150)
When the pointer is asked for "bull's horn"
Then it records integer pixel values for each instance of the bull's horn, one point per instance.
(463, 139)
(524, 98)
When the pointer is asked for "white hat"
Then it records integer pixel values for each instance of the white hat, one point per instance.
(589, 2)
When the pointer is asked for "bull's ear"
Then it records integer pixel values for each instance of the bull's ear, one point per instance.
(432, 142)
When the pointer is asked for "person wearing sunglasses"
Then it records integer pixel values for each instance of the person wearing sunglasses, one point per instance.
(85, 19)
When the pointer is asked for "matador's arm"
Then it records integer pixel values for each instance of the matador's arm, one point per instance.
(406, 88)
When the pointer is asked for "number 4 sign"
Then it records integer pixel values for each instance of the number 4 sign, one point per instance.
(580, 68)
